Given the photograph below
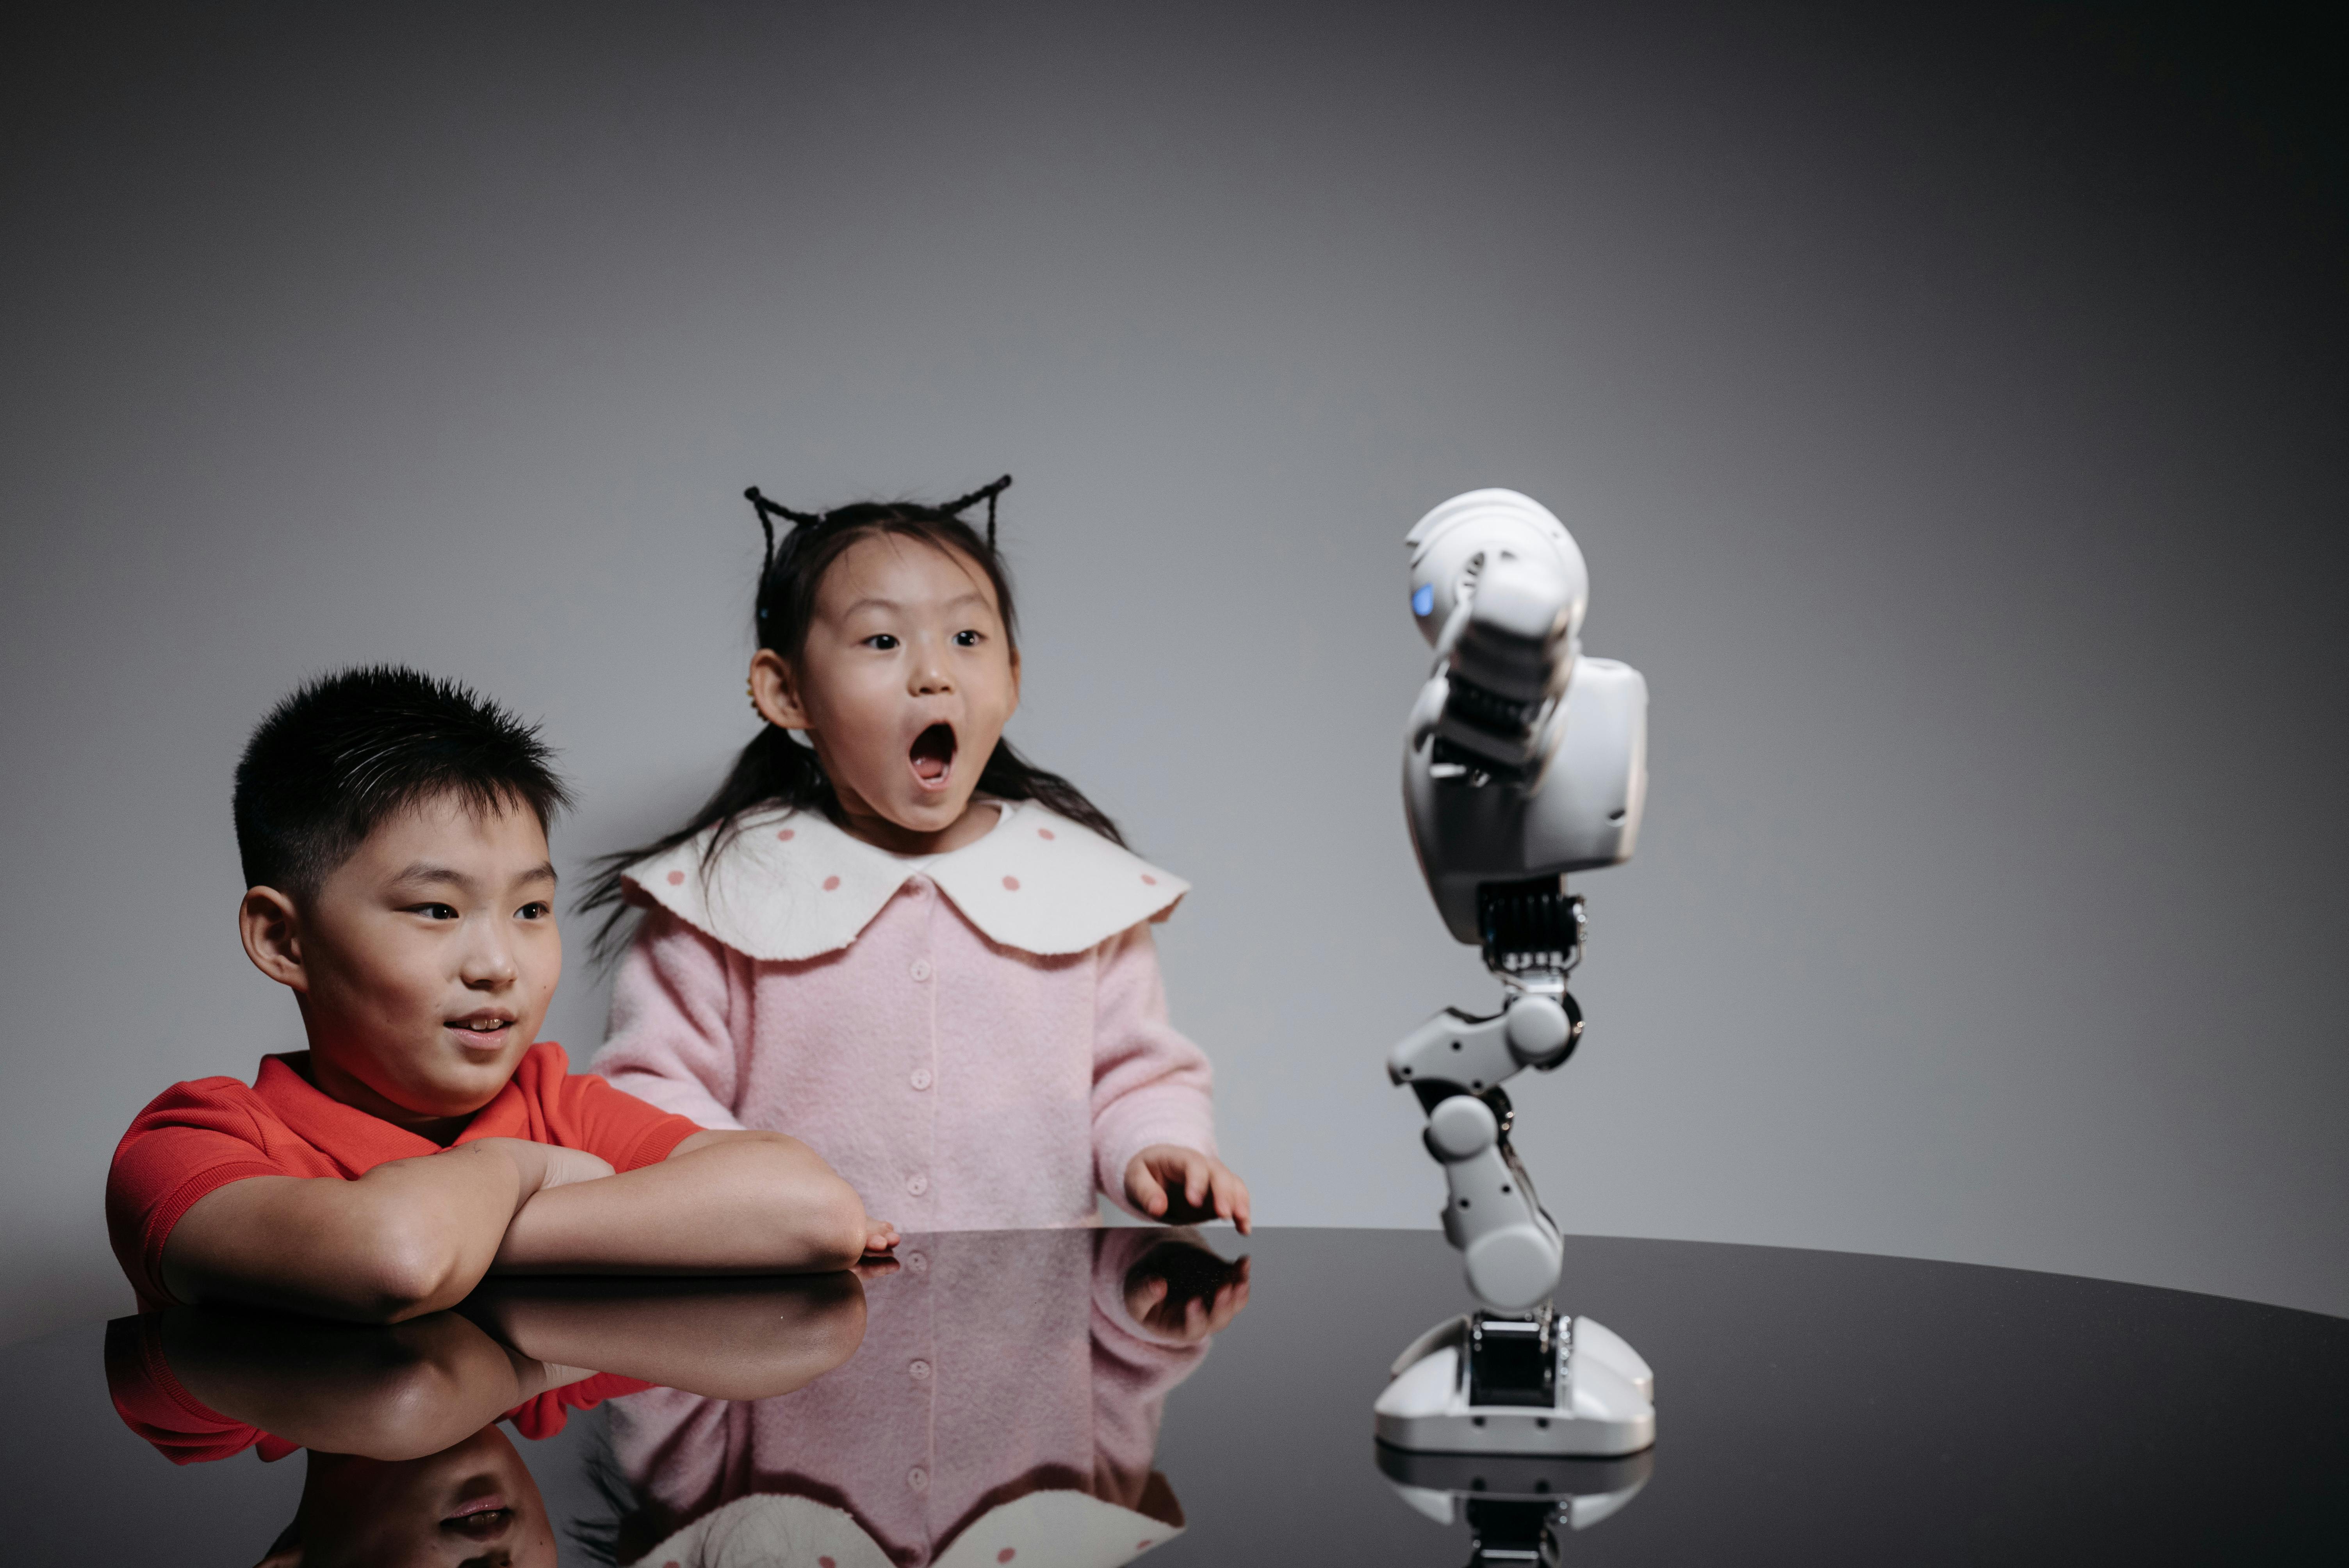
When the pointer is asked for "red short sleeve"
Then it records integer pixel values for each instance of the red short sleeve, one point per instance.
(581, 1111)
(545, 1416)
(152, 1403)
(194, 1138)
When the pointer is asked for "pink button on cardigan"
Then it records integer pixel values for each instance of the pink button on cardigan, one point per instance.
(956, 1083)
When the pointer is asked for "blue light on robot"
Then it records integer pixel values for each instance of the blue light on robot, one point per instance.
(1422, 599)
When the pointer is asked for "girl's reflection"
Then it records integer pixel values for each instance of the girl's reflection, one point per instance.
(1007, 1397)
(406, 1463)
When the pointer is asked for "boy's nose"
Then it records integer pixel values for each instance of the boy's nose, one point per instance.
(488, 963)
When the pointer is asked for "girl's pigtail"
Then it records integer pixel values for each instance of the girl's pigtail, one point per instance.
(763, 506)
(988, 493)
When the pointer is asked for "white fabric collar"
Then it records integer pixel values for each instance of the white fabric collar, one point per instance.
(1052, 1529)
(791, 885)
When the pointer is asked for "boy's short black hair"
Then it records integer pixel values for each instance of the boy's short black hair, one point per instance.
(348, 751)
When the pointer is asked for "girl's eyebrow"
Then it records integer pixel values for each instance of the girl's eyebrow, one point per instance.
(874, 603)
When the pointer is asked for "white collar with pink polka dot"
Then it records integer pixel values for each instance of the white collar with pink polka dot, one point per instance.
(791, 885)
(1050, 1529)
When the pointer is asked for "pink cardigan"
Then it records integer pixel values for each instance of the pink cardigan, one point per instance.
(990, 1369)
(956, 1082)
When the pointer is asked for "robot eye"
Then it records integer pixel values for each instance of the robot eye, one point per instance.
(1422, 599)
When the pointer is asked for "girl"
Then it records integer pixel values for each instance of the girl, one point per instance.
(899, 941)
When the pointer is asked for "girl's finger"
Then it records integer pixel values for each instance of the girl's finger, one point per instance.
(1195, 1180)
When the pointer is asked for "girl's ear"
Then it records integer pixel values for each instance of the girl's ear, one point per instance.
(775, 691)
(1015, 678)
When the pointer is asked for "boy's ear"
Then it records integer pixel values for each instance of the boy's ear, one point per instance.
(271, 928)
(774, 691)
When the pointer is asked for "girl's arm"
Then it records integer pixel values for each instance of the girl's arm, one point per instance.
(1136, 1360)
(1152, 1087)
(671, 1039)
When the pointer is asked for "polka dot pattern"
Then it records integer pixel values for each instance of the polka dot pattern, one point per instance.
(1045, 834)
(785, 835)
(676, 879)
(1149, 880)
(831, 884)
(1010, 884)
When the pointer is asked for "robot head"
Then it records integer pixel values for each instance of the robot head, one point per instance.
(1453, 545)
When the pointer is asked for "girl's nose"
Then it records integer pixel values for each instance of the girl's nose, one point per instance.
(930, 676)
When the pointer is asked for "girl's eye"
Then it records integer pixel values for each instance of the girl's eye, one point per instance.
(435, 910)
(881, 641)
(534, 912)
(967, 639)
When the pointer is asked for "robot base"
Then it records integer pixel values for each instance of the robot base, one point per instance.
(1517, 1505)
(1468, 1385)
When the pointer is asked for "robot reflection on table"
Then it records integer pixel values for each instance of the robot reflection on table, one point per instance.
(1524, 761)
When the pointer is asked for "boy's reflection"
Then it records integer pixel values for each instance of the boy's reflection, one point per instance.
(406, 1463)
(473, 1504)
(1007, 1397)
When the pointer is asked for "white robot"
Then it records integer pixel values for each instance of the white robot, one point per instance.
(1524, 761)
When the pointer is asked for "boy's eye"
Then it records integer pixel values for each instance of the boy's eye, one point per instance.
(435, 910)
(968, 639)
(882, 641)
(534, 911)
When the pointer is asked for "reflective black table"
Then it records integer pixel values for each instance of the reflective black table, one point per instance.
(1040, 1398)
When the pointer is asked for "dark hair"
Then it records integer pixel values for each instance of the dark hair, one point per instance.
(348, 751)
(774, 769)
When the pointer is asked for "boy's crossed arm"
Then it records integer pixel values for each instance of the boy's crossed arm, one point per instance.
(413, 1237)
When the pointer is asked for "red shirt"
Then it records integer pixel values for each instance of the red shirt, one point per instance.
(158, 1407)
(200, 1136)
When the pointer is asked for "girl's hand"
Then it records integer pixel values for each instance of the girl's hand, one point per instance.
(1184, 1293)
(880, 1236)
(1185, 1187)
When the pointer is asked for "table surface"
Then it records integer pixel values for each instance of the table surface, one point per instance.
(1812, 1408)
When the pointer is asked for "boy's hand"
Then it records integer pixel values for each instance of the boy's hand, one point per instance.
(1185, 1293)
(546, 1166)
(1184, 1187)
(880, 1236)
(565, 1166)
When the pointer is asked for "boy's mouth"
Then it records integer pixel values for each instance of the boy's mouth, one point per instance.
(932, 755)
(487, 1026)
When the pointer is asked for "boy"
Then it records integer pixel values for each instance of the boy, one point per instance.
(393, 833)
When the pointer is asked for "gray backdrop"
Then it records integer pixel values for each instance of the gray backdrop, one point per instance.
(1951, 413)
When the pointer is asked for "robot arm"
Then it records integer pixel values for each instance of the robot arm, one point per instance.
(1525, 761)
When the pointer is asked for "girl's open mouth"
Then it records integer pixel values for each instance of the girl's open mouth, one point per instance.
(489, 1029)
(932, 755)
